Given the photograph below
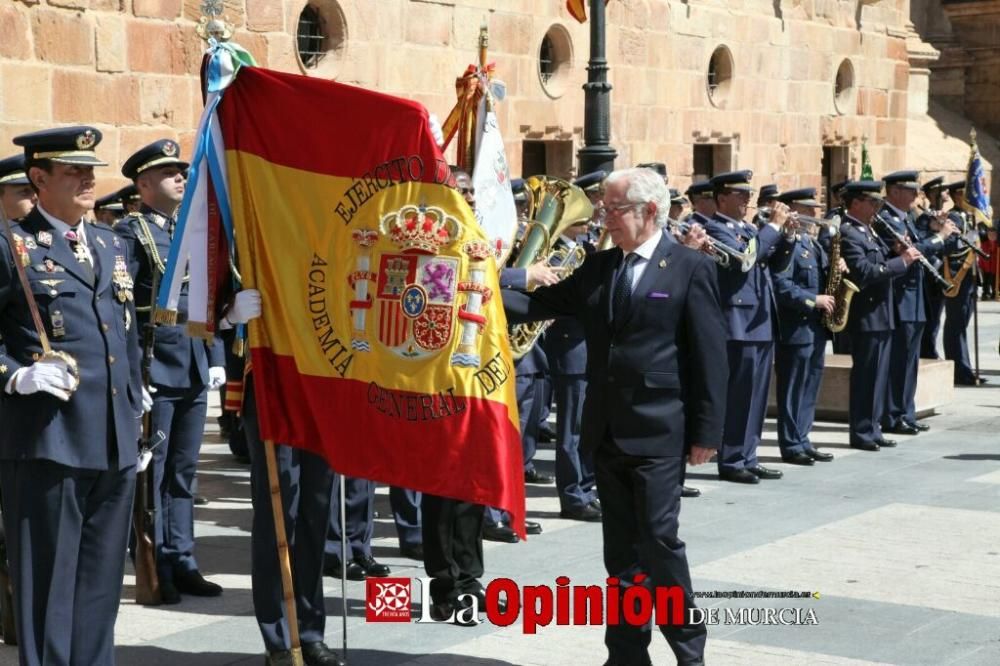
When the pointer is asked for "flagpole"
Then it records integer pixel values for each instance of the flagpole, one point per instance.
(343, 563)
(284, 560)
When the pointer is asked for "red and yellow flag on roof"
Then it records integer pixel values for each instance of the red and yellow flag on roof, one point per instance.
(382, 344)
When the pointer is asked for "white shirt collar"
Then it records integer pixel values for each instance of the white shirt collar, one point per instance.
(646, 249)
(570, 242)
(895, 211)
(729, 219)
(63, 227)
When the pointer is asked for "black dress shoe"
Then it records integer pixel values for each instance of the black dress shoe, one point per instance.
(546, 434)
(799, 458)
(499, 532)
(865, 446)
(414, 552)
(688, 491)
(762, 472)
(371, 567)
(902, 428)
(194, 583)
(596, 503)
(585, 513)
(886, 443)
(738, 476)
(536, 477)
(819, 456)
(922, 427)
(200, 500)
(168, 593)
(354, 570)
(318, 654)
(532, 527)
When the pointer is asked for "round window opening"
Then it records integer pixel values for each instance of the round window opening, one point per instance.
(555, 60)
(720, 76)
(843, 88)
(320, 37)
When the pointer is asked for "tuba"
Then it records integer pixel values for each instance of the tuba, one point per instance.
(837, 285)
(554, 205)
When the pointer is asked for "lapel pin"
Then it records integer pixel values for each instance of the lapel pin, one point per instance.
(663, 263)
(100, 241)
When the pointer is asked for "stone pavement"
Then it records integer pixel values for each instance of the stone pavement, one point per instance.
(903, 547)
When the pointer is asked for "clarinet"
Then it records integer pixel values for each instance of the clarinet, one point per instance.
(962, 240)
(928, 266)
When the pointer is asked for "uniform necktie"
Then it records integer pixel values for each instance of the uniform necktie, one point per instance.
(82, 253)
(623, 288)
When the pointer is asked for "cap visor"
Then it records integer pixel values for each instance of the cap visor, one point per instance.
(79, 160)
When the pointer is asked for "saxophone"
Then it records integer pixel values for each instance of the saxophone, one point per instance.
(838, 286)
(554, 205)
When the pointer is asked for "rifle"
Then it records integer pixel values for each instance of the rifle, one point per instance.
(147, 583)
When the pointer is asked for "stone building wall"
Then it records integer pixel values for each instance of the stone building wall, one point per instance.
(130, 67)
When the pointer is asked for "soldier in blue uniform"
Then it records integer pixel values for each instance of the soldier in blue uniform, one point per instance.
(747, 305)
(872, 315)
(960, 267)
(765, 198)
(841, 341)
(108, 210)
(908, 300)
(130, 199)
(183, 370)
(930, 221)
(800, 275)
(16, 196)
(677, 203)
(702, 203)
(69, 439)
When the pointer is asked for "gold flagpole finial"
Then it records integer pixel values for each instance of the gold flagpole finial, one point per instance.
(484, 42)
(213, 25)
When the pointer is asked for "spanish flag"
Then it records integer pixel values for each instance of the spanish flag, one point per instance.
(578, 9)
(382, 344)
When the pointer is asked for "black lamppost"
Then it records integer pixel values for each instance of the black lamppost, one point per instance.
(597, 153)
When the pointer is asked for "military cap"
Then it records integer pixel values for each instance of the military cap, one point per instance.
(863, 188)
(157, 154)
(836, 188)
(769, 191)
(127, 193)
(591, 181)
(805, 196)
(907, 179)
(699, 190)
(109, 202)
(63, 145)
(733, 180)
(658, 167)
(933, 184)
(12, 170)
(956, 186)
(517, 185)
(676, 198)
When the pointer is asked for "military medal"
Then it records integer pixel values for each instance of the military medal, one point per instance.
(44, 238)
(58, 324)
(122, 280)
(100, 241)
(30, 243)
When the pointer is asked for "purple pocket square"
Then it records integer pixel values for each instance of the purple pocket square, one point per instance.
(657, 294)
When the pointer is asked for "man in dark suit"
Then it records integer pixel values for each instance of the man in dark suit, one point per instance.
(747, 304)
(70, 428)
(800, 275)
(183, 369)
(872, 316)
(656, 390)
(908, 300)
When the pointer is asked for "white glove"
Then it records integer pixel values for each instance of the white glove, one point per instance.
(50, 375)
(435, 125)
(246, 306)
(216, 377)
(147, 399)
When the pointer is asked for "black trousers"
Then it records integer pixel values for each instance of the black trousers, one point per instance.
(641, 499)
(66, 530)
(453, 546)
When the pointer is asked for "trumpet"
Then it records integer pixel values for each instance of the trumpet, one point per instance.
(721, 253)
(808, 223)
(962, 240)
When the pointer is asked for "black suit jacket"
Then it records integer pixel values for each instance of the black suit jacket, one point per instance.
(657, 381)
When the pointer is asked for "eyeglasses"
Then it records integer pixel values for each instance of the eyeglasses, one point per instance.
(616, 209)
(466, 190)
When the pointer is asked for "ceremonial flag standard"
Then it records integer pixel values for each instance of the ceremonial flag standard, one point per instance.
(382, 345)
(977, 196)
(578, 9)
(866, 164)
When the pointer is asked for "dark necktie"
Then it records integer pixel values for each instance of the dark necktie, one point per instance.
(623, 288)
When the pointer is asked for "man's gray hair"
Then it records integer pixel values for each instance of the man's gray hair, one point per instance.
(645, 186)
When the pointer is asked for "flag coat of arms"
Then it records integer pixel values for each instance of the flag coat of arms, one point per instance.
(382, 343)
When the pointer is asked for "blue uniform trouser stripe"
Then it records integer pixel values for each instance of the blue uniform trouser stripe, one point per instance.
(798, 370)
(746, 402)
(904, 365)
(869, 378)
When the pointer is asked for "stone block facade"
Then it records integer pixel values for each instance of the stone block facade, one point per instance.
(130, 67)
